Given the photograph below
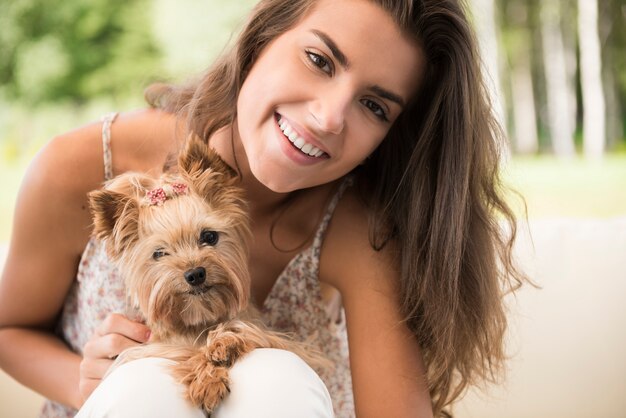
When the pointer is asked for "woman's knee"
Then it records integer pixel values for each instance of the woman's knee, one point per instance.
(265, 383)
(143, 387)
(274, 383)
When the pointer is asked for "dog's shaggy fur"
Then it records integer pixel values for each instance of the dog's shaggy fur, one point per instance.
(180, 242)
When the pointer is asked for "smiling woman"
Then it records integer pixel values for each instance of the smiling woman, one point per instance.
(323, 78)
(361, 134)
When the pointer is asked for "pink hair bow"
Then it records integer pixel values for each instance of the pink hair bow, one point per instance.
(158, 196)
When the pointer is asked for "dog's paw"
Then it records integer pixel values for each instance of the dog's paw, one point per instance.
(206, 384)
(209, 390)
(224, 351)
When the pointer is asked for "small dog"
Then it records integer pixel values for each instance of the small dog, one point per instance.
(180, 242)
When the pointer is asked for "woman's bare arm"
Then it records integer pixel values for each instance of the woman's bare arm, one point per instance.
(388, 373)
(51, 228)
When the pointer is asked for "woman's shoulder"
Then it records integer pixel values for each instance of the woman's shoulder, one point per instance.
(141, 140)
(70, 165)
(75, 159)
(347, 253)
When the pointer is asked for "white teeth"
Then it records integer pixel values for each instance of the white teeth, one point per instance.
(299, 142)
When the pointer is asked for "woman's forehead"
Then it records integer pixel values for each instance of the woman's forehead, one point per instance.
(369, 38)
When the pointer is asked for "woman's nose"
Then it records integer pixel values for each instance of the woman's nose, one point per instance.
(329, 111)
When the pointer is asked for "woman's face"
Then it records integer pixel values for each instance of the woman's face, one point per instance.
(321, 97)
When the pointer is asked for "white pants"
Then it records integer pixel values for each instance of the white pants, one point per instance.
(265, 383)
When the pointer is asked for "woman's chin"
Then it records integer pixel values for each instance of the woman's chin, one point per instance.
(275, 182)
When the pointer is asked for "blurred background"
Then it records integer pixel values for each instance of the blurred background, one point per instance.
(557, 74)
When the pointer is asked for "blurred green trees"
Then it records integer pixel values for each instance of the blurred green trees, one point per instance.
(53, 50)
(64, 63)
(554, 58)
(56, 53)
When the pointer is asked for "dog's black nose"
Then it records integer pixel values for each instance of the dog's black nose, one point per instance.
(196, 276)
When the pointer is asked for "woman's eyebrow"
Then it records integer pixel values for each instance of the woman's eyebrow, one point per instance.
(385, 94)
(334, 49)
(343, 61)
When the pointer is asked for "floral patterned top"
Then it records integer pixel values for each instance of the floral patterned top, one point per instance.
(294, 304)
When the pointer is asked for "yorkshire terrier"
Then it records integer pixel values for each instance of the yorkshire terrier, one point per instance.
(181, 244)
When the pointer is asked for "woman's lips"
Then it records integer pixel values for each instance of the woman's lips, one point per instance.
(299, 141)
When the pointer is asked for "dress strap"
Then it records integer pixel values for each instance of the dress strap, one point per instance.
(330, 209)
(107, 121)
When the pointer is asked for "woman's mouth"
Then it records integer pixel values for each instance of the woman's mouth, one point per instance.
(298, 142)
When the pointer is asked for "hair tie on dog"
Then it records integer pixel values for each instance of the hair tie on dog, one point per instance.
(158, 196)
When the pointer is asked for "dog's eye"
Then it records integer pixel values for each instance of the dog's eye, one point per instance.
(208, 237)
(158, 254)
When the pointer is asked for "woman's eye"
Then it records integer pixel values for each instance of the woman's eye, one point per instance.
(376, 109)
(208, 237)
(159, 253)
(320, 62)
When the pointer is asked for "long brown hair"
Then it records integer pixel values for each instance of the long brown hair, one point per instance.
(432, 185)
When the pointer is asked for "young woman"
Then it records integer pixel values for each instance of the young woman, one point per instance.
(363, 136)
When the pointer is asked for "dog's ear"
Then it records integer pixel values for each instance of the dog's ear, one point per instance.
(115, 217)
(197, 157)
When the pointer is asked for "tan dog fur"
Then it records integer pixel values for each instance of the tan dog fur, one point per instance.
(204, 328)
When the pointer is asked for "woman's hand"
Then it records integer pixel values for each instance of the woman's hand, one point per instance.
(114, 335)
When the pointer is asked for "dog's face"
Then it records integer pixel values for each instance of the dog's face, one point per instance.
(180, 241)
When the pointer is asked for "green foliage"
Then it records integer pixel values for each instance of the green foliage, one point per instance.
(193, 32)
(55, 49)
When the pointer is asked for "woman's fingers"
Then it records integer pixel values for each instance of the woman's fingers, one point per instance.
(114, 335)
(119, 324)
(107, 346)
(87, 386)
(94, 368)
